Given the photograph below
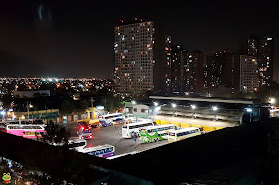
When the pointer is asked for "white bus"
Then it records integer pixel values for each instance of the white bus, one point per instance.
(110, 119)
(183, 133)
(156, 133)
(133, 129)
(103, 151)
(77, 144)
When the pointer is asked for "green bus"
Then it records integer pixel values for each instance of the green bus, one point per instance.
(156, 133)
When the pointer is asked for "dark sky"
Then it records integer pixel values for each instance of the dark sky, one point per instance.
(75, 38)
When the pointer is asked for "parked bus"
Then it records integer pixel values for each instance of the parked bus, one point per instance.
(110, 119)
(133, 129)
(103, 151)
(76, 144)
(183, 133)
(27, 131)
(23, 122)
(156, 133)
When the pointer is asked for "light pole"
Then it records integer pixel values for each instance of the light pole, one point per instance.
(250, 113)
(29, 105)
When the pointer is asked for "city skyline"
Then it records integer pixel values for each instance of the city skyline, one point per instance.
(66, 39)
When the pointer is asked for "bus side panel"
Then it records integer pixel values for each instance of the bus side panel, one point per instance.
(158, 122)
(108, 155)
(15, 132)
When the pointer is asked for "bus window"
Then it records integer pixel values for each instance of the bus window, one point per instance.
(74, 145)
(92, 153)
(101, 151)
(172, 134)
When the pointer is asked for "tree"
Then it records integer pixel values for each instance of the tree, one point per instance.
(55, 133)
(67, 107)
(7, 100)
(83, 105)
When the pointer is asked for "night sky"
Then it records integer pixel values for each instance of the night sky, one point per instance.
(75, 38)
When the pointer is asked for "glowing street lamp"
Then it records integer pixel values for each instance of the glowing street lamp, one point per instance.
(156, 103)
(173, 105)
(272, 101)
(249, 110)
(133, 102)
(214, 108)
(193, 107)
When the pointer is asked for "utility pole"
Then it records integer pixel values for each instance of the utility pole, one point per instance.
(28, 109)
(91, 114)
(92, 100)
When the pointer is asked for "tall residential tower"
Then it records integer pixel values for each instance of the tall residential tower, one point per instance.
(140, 58)
(262, 47)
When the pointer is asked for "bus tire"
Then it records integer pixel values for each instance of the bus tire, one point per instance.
(134, 135)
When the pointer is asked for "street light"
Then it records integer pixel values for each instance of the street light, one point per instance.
(272, 101)
(193, 107)
(173, 105)
(214, 108)
(248, 110)
(156, 103)
(133, 102)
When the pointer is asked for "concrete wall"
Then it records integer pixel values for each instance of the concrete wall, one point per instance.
(141, 110)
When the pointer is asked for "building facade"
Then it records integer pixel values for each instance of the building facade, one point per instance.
(187, 70)
(177, 69)
(234, 72)
(140, 58)
(195, 77)
(262, 47)
(249, 76)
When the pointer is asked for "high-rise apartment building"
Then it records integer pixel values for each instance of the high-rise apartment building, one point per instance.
(194, 78)
(249, 76)
(187, 70)
(236, 72)
(168, 49)
(177, 69)
(262, 47)
(140, 57)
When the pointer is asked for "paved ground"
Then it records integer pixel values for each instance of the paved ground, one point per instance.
(110, 135)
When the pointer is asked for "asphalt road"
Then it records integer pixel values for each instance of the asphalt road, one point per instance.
(110, 135)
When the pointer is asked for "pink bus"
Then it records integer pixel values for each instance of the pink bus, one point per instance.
(27, 131)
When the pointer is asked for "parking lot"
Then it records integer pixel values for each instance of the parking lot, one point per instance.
(112, 135)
